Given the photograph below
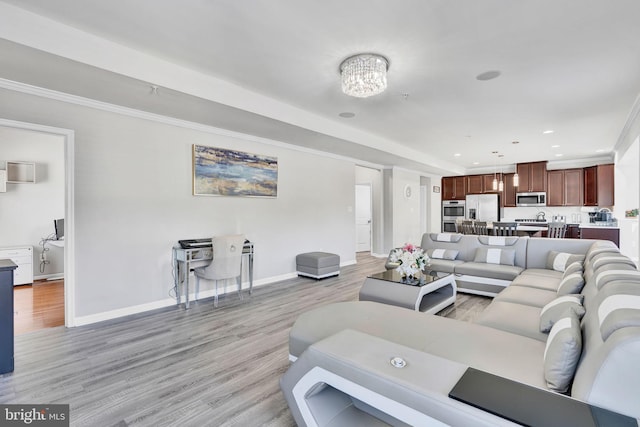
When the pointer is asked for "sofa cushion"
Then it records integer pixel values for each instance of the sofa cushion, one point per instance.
(443, 265)
(556, 309)
(495, 256)
(525, 295)
(542, 272)
(450, 254)
(494, 271)
(619, 307)
(609, 258)
(498, 240)
(571, 284)
(445, 237)
(604, 276)
(562, 352)
(548, 283)
(559, 261)
(600, 248)
(519, 319)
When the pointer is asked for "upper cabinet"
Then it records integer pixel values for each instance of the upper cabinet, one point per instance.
(454, 188)
(532, 177)
(508, 197)
(564, 187)
(599, 185)
(475, 184)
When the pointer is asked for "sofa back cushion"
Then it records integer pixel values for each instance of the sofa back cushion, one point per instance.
(495, 256)
(619, 307)
(571, 284)
(538, 249)
(445, 237)
(450, 254)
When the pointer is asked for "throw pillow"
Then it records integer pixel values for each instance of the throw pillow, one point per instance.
(571, 284)
(557, 308)
(562, 352)
(574, 267)
(442, 253)
(560, 260)
(495, 256)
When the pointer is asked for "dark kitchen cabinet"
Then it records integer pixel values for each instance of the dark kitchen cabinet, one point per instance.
(601, 233)
(475, 184)
(599, 185)
(564, 187)
(508, 198)
(532, 177)
(454, 187)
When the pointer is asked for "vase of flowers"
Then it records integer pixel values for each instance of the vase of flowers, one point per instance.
(411, 260)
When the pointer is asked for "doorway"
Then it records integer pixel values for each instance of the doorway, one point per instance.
(363, 217)
(68, 285)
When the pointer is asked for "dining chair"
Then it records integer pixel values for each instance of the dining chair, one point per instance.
(504, 228)
(557, 230)
(226, 263)
(480, 228)
(467, 227)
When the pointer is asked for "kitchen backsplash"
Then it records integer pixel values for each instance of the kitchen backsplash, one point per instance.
(572, 214)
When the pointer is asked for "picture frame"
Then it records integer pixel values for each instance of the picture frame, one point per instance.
(225, 172)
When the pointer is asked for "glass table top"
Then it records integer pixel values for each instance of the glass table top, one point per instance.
(423, 278)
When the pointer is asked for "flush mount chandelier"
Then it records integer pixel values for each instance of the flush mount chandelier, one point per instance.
(364, 75)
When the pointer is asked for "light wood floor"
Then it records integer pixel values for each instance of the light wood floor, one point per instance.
(202, 367)
(38, 306)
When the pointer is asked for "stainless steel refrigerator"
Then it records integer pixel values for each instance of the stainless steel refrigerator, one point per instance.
(482, 207)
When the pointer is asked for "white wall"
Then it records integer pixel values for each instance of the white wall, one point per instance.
(627, 197)
(133, 202)
(28, 210)
(406, 210)
(373, 177)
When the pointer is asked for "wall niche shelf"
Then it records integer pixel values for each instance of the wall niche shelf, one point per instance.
(21, 172)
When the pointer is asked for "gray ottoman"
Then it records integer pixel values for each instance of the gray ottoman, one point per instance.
(318, 264)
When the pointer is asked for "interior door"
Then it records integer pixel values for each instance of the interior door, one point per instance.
(363, 217)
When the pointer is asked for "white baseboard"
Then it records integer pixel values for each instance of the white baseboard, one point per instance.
(53, 276)
(167, 302)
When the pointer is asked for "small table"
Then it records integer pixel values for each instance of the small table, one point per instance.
(429, 293)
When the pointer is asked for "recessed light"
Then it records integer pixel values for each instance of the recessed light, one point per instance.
(546, 132)
(488, 75)
(457, 155)
(600, 150)
(555, 146)
(476, 163)
(559, 155)
(347, 115)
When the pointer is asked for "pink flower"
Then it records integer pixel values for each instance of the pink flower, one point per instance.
(409, 247)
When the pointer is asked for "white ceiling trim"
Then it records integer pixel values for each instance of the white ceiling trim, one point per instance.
(26, 28)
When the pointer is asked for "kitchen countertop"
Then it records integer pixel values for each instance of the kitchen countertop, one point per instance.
(589, 225)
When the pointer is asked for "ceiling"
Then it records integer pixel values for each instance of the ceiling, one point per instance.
(270, 68)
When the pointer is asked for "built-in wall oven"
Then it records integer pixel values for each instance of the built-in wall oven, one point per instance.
(452, 211)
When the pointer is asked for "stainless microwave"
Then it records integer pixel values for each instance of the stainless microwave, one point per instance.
(531, 199)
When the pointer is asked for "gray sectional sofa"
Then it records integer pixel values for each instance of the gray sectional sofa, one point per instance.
(590, 350)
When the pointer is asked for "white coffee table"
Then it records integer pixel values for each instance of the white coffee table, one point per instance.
(432, 292)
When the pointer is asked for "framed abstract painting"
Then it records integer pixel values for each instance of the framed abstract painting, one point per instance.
(223, 172)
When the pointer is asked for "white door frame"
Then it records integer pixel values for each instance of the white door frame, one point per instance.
(69, 211)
